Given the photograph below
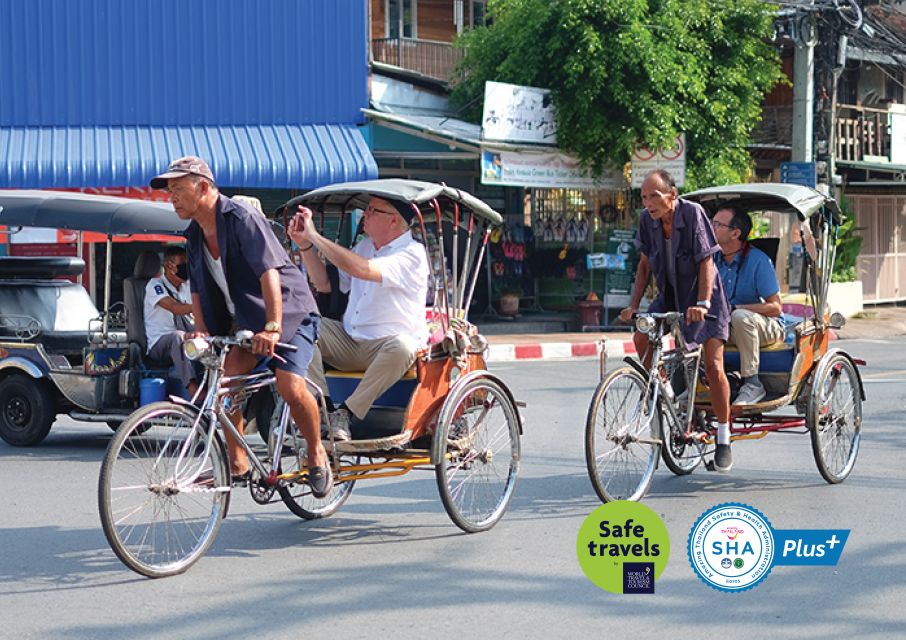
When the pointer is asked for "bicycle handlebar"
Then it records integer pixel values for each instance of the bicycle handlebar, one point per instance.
(243, 339)
(669, 316)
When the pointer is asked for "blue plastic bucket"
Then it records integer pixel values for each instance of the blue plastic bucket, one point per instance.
(152, 390)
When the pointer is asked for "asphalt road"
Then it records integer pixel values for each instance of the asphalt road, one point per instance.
(391, 564)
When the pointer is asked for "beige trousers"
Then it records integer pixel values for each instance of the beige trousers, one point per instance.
(749, 331)
(384, 362)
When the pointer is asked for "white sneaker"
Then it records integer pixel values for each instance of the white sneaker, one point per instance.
(749, 393)
(339, 429)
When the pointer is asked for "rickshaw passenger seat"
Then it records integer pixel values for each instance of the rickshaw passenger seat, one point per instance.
(147, 266)
(343, 383)
(773, 358)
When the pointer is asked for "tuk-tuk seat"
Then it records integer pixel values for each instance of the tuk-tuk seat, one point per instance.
(147, 266)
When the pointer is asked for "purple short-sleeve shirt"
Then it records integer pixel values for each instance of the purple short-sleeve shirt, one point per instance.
(692, 241)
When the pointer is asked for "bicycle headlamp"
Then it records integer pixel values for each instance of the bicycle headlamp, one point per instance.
(195, 348)
(645, 324)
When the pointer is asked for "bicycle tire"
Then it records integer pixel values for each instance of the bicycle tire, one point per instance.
(834, 418)
(478, 437)
(629, 448)
(166, 533)
(680, 455)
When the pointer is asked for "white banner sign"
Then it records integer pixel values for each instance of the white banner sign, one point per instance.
(645, 160)
(554, 170)
(513, 113)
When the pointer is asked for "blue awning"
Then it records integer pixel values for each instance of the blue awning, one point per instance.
(252, 156)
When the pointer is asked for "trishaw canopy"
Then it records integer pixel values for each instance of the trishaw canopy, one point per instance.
(109, 215)
(341, 197)
(763, 196)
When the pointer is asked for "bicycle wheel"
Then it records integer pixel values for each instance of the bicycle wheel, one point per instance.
(621, 445)
(835, 418)
(298, 498)
(680, 454)
(477, 446)
(156, 519)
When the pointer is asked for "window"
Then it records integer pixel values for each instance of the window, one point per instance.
(480, 13)
(401, 16)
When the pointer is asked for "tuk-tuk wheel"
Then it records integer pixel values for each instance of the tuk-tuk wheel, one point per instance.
(27, 410)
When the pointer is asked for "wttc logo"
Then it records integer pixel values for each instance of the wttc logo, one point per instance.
(732, 547)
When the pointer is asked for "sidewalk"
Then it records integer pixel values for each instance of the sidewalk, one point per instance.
(874, 323)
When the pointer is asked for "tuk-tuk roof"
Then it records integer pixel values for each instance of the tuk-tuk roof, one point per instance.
(337, 197)
(767, 196)
(87, 212)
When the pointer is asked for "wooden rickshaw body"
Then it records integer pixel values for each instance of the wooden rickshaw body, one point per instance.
(439, 213)
(819, 218)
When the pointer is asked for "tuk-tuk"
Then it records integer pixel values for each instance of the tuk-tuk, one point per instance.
(58, 352)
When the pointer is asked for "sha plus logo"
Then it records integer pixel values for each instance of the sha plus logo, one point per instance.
(731, 547)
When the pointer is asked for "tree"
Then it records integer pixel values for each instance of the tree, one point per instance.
(629, 72)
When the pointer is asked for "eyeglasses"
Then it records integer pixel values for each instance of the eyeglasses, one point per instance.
(718, 223)
(371, 209)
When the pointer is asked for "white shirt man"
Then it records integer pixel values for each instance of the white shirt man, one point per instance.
(168, 315)
(386, 275)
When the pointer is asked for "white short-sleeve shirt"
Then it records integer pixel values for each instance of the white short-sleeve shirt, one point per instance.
(159, 321)
(396, 305)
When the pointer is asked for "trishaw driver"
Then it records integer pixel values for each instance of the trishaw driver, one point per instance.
(242, 278)
(386, 275)
(678, 244)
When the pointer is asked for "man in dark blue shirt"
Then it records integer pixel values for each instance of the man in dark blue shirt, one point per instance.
(242, 278)
(677, 245)
(754, 295)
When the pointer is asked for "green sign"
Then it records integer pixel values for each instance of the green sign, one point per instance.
(622, 242)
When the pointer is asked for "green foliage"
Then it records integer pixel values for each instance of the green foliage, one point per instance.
(848, 246)
(630, 72)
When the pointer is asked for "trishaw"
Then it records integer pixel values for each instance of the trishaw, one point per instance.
(638, 415)
(165, 486)
(58, 353)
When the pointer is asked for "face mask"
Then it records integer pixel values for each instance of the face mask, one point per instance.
(182, 271)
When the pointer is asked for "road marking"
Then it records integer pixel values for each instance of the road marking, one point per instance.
(883, 373)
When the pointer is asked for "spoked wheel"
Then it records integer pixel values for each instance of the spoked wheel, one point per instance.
(835, 418)
(477, 449)
(298, 498)
(621, 439)
(681, 455)
(163, 490)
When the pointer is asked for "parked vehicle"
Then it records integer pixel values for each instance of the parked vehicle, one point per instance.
(59, 354)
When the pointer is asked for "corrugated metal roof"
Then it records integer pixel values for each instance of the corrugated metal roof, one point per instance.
(177, 63)
(267, 157)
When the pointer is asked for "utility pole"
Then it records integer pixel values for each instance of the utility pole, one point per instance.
(803, 99)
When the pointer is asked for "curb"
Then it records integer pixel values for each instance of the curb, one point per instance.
(560, 350)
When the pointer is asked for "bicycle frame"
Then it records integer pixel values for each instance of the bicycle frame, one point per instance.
(225, 392)
(656, 385)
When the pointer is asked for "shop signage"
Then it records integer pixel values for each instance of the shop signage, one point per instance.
(645, 160)
(555, 170)
(605, 261)
(621, 242)
(513, 113)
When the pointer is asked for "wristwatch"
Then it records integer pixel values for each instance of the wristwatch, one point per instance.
(703, 303)
(272, 326)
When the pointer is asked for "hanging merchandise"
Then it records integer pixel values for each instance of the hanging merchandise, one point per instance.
(582, 229)
(559, 229)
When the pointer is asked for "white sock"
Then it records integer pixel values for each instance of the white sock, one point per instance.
(723, 433)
